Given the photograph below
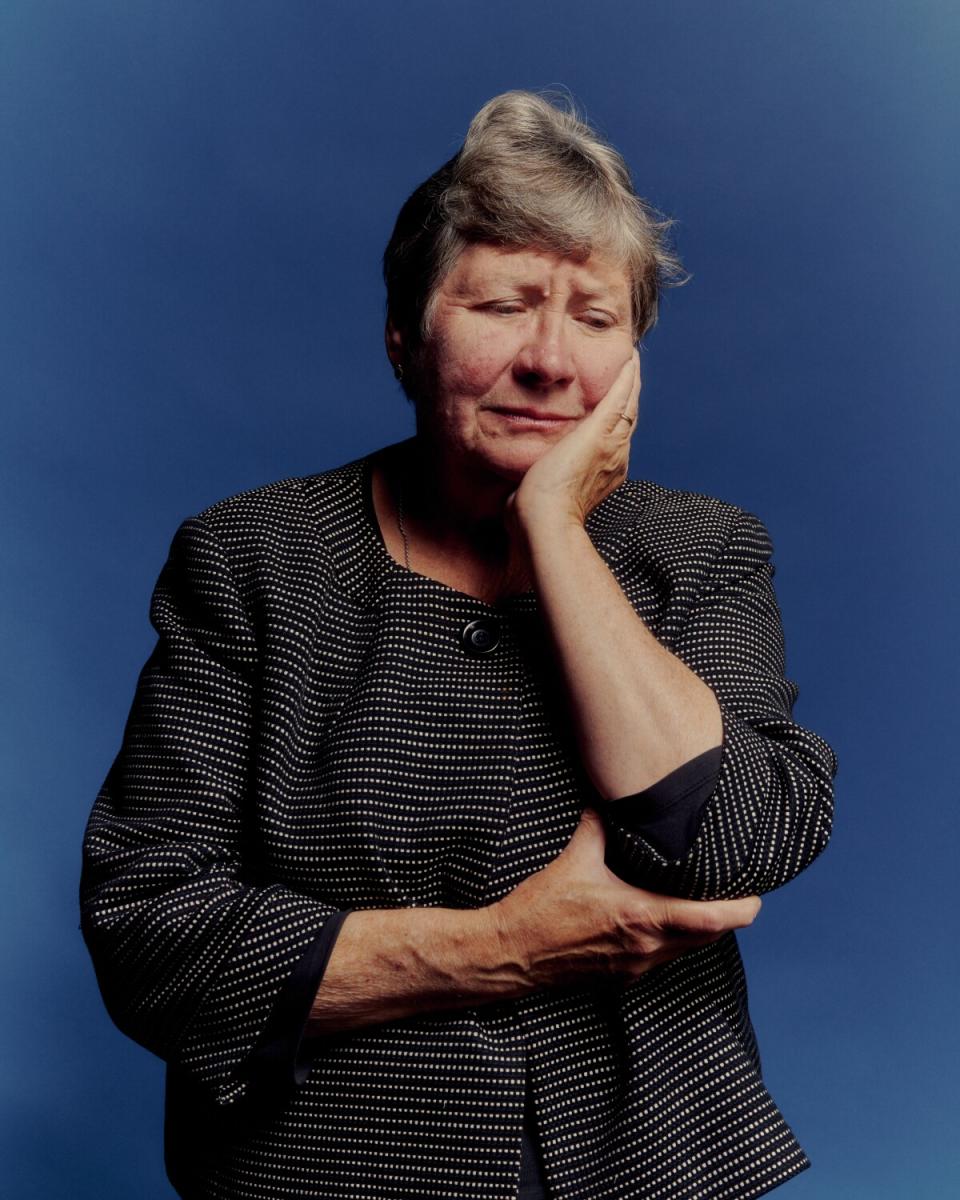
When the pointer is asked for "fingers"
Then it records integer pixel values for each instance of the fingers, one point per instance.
(624, 390)
(620, 405)
(686, 925)
(590, 817)
(708, 916)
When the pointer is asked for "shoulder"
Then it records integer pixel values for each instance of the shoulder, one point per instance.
(685, 539)
(646, 495)
(285, 510)
(284, 535)
(647, 509)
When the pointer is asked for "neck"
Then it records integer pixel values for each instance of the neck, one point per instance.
(458, 508)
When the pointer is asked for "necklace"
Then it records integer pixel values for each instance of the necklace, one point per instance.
(400, 526)
(406, 542)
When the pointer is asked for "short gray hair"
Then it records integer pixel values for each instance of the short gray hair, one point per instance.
(531, 172)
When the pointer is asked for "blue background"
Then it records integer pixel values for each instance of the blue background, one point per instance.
(195, 199)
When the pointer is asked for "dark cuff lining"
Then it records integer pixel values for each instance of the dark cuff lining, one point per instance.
(668, 813)
(278, 1063)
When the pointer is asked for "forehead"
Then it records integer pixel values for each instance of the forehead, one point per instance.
(480, 265)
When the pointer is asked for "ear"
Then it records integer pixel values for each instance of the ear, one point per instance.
(394, 342)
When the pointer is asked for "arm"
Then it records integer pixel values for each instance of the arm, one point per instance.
(394, 963)
(769, 812)
(640, 710)
(406, 961)
(571, 923)
(191, 950)
(389, 964)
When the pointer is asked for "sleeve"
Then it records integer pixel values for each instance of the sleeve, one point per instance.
(668, 813)
(192, 947)
(769, 812)
(282, 1059)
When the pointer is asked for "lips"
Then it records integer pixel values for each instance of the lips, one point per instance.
(533, 414)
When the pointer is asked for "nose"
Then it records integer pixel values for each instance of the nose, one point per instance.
(545, 359)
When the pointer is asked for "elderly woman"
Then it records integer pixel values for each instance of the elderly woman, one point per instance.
(455, 767)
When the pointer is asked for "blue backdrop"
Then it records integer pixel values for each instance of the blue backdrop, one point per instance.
(195, 199)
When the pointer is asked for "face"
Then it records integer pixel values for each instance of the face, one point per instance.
(524, 344)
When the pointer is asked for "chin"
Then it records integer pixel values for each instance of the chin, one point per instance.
(512, 461)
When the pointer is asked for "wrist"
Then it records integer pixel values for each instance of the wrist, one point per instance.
(538, 514)
(511, 950)
(551, 537)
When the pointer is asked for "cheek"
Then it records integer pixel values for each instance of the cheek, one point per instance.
(471, 373)
(598, 379)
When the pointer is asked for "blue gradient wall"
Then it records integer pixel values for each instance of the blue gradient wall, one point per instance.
(195, 198)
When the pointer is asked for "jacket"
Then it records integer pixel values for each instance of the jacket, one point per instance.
(315, 733)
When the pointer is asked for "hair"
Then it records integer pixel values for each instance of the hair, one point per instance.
(530, 173)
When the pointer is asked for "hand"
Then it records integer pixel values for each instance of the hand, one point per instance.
(587, 463)
(575, 918)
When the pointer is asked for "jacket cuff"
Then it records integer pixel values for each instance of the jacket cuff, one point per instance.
(280, 1062)
(668, 814)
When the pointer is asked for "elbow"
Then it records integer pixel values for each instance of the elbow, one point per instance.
(771, 815)
(748, 838)
(795, 830)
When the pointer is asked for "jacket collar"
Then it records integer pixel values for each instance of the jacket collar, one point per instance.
(341, 508)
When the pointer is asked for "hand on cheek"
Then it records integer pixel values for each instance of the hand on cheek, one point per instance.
(587, 463)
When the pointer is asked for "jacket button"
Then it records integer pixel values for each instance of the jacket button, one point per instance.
(480, 637)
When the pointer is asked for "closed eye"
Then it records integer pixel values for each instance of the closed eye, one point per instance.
(505, 306)
(598, 320)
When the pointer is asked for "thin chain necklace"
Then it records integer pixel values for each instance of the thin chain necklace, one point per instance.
(402, 527)
(403, 532)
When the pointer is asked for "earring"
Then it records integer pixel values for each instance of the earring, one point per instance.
(397, 371)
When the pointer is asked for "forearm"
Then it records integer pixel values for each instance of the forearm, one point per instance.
(770, 813)
(638, 712)
(388, 964)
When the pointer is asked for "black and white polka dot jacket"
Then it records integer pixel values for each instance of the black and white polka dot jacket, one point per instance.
(314, 734)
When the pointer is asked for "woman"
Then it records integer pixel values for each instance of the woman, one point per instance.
(456, 766)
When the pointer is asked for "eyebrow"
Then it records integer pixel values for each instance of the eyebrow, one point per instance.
(595, 293)
(609, 295)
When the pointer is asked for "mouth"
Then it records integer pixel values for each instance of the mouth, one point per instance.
(532, 418)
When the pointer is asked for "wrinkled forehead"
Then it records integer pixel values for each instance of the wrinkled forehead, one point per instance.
(482, 264)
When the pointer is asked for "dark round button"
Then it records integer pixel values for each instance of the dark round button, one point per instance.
(480, 637)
